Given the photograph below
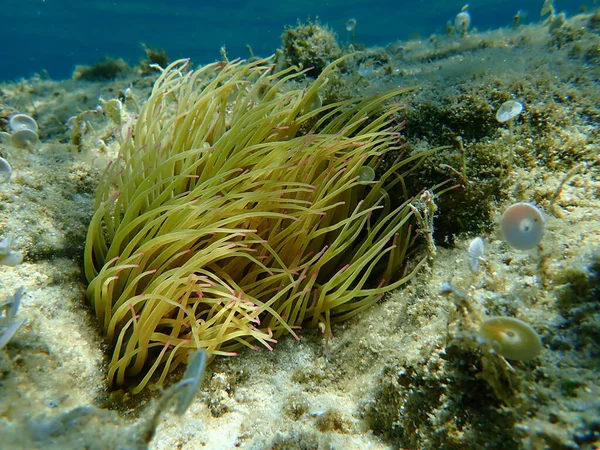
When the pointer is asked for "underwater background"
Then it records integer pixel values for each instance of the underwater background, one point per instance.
(55, 35)
(476, 123)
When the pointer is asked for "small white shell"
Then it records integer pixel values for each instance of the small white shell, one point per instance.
(366, 174)
(512, 338)
(350, 25)
(71, 122)
(476, 250)
(113, 109)
(508, 110)
(462, 21)
(523, 226)
(101, 145)
(23, 121)
(24, 137)
(5, 171)
(5, 138)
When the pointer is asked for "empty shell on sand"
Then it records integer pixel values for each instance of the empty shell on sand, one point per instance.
(5, 171)
(24, 130)
(24, 138)
(509, 110)
(22, 121)
(523, 226)
(476, 251)
(511, 338)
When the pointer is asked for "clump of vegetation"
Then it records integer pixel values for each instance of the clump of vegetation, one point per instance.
(312, 46)
(412, 409)
(476, 170)
(578, 304)
(464, 393)
(236, 213)
(372, 63)
(475, 164)
(594, 22)
(106, 69)
(154, 57)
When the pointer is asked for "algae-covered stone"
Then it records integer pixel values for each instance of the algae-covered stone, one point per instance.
(311, 45)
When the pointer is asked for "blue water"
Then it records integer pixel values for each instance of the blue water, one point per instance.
(55, 35)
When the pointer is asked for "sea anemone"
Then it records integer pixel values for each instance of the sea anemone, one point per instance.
(236, 212)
